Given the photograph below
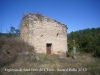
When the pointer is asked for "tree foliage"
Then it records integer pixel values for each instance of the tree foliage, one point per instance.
(12, 32)
(87, 40)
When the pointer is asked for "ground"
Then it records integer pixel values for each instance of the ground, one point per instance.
(83, 64)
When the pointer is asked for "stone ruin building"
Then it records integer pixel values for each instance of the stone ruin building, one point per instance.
(46, 35)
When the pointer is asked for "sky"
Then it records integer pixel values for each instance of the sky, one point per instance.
(75, 14)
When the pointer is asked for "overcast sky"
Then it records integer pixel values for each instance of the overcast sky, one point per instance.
(76, 14)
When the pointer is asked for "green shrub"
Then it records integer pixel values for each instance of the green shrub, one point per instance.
(97, 52)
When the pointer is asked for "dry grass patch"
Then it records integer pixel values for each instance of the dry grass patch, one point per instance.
(54, 62)
(23, 56)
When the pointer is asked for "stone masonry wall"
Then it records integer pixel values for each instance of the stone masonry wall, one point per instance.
(38, 30)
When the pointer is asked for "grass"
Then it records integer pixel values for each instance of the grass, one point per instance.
(19, 55)
(50, 64)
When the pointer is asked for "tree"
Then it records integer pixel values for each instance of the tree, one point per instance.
(14, 32)
(17, 32)
(87, 40)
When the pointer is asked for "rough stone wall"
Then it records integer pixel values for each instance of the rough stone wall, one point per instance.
(38, 30)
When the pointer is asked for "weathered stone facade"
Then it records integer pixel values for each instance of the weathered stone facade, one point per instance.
(45, 34)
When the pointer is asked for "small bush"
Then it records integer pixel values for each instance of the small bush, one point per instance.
(97, 52)
(10, 47)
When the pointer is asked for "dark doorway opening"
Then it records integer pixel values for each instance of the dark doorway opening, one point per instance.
(48, 48)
